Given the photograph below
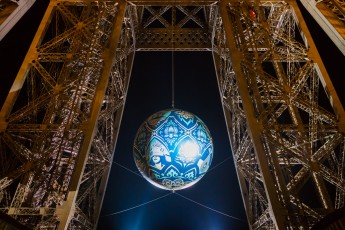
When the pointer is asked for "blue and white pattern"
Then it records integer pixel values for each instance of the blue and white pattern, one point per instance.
(173, 149)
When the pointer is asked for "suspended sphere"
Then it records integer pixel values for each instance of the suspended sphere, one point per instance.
(173, 149)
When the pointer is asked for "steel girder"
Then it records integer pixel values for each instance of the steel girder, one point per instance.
(11, 12)
(60, 121)
(330, 15)
(275, 92)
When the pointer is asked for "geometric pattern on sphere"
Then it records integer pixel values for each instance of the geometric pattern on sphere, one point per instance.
(173, 149)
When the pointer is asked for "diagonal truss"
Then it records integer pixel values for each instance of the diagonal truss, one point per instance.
(172, 27)
(285, 135)
(58, 137)
(60, 121)
(330, 15)
(11, 12)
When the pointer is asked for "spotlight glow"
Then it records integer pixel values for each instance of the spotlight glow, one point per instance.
(188, 151)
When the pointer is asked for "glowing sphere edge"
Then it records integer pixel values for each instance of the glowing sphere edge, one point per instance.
(173, 149)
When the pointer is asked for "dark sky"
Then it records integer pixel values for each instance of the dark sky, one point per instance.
(197, 92)
(217, 192)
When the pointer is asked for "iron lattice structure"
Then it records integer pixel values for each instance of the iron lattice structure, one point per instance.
(11, 12)
(60, 121)
(330, 15)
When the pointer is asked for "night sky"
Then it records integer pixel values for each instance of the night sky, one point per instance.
(196, 91)
(215, 201)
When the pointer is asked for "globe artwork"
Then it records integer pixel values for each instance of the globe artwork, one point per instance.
(173, 149)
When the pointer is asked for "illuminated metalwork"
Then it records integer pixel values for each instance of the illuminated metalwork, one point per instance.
(62, 129)
(286, 140)
(11, 12)
(330, 15)
(59, 123)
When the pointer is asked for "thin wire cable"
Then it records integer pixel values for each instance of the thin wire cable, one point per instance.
(137, 206)
(172, 81)
(217, 165)
(124, 167)
(172, 60)
(173, 191)
(212, 209)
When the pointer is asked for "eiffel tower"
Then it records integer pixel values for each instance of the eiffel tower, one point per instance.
(60, 120)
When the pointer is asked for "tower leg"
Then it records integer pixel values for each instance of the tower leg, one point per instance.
(62, 115)
(269, 76)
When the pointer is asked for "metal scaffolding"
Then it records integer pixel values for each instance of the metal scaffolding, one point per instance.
(59, 123)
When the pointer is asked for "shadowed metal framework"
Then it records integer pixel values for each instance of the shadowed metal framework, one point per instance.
(60, 121)
(330, 15)
(11, 12)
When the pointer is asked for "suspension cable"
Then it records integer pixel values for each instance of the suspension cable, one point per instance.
(209, 208)
(172, 58)
(171, 192)
(139, 205)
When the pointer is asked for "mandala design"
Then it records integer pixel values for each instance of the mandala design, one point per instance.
(173, 149)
